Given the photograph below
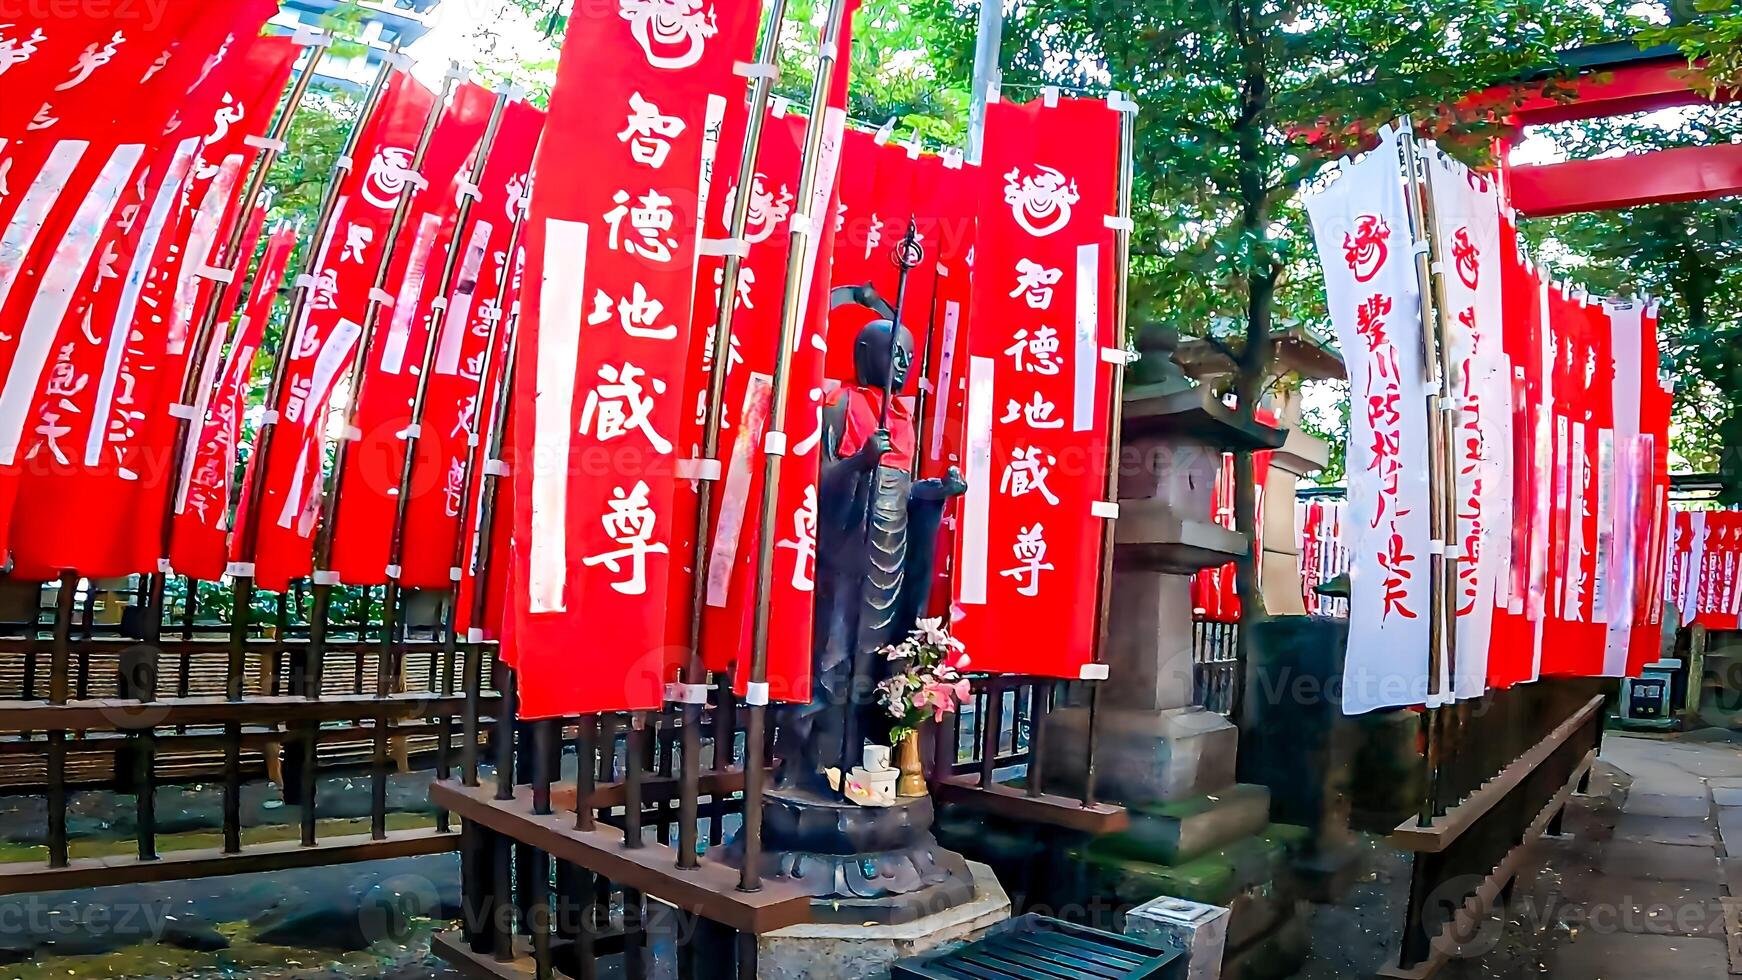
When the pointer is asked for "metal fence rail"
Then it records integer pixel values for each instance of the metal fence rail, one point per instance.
(89, 706)
(1214, 662)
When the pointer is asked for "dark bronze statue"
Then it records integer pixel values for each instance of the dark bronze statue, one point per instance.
(876, 541)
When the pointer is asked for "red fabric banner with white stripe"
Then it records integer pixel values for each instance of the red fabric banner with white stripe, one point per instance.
(1038, 386)
(91, 371)
(732, 548)
(369, 486)
(468, 371)
(320, 347)
(611, 251)
(202, 517)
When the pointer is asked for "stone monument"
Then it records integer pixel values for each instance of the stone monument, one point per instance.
(1195, 833)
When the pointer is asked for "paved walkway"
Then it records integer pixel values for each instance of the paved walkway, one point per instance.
(1639, 884)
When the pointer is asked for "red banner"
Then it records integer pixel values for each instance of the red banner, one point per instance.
(729, 592)
(747, 398)
(1215, 592)
(321, 346)
(1574, 642)
(1038, 388)
(467, 372)
(613, 249)
(1652, 542)
(1512, 656)
(369, 486)
(202, 512)
(85, 405)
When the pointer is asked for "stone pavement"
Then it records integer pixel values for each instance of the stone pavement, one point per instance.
(1639, 883)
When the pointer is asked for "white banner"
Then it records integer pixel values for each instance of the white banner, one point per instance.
(1629, 492)
(1362, 230)
(1467, 222)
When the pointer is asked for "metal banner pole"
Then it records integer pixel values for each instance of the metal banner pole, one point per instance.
(987, 44)
(1127, 110)
(469, 488)
(694, 675)
(792, 312)
(906, 256)
(355, 374)
(248, 528)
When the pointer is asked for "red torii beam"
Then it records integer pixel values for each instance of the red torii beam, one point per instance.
(1619, 80)
(1688, 173)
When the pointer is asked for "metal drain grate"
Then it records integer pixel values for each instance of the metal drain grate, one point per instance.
(1039, 947)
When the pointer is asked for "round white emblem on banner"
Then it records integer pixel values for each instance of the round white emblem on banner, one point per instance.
(672, 33)
(386, 178)
(1042, 201)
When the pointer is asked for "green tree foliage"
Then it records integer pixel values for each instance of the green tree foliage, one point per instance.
(1709, 32)
(1245, 102)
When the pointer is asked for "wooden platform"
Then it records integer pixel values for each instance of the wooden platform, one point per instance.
(1015, 803)
(710, 890)
(24, 878)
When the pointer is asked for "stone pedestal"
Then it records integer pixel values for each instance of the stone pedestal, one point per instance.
(861, 865)
(1154, 744)
(1195, 833)
(853, 951)
(1199, 931)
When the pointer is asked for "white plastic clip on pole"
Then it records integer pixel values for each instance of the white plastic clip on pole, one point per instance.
(311, 37)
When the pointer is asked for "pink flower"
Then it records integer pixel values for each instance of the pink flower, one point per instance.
(941, 697)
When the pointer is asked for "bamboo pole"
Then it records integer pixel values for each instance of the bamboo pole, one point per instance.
(792, 313)
(1127, 110)
(694, 672)
(1442, 509)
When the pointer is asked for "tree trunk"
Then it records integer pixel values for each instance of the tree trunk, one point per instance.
(1249, 381)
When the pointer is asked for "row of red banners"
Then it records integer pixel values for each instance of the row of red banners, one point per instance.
(1012, 337)
(113, 252)
(105, 250)
(1702, 580)
(113, 257)
(1560, 439)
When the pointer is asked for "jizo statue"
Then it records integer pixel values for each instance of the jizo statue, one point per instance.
(876, 540)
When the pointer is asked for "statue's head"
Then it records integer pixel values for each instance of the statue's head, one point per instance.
(871, 355)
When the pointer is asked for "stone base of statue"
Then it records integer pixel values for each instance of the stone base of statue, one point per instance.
(826, 950)
(861, 864)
